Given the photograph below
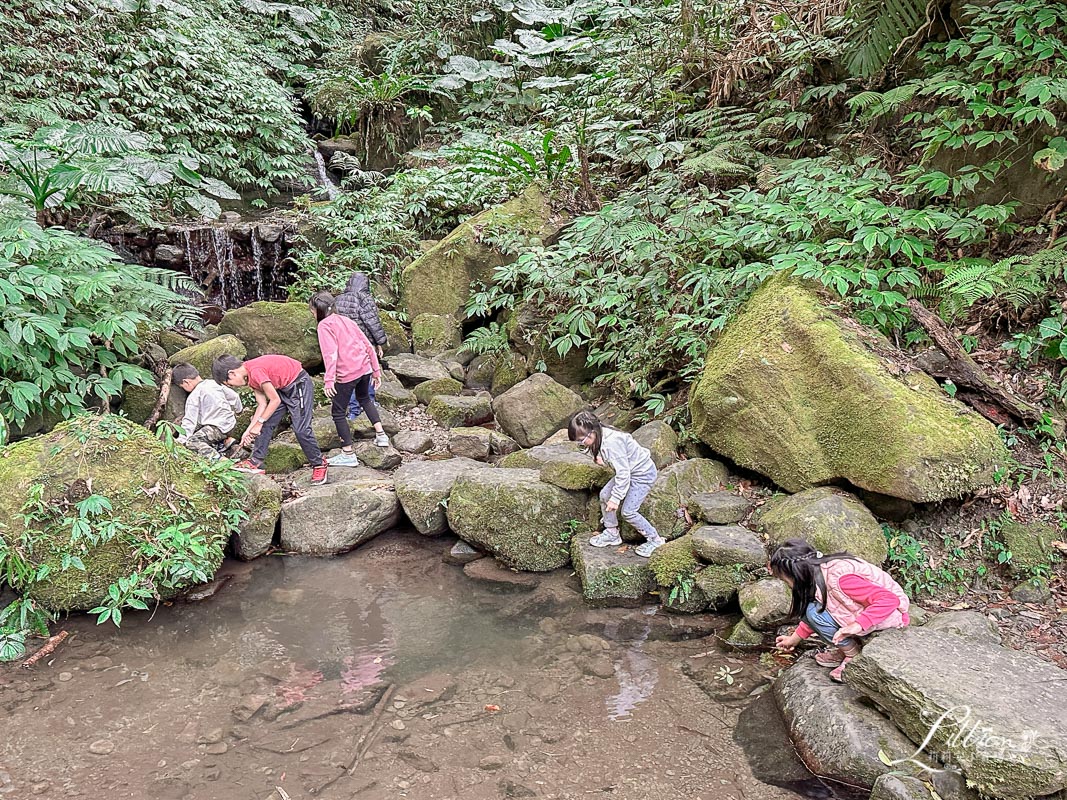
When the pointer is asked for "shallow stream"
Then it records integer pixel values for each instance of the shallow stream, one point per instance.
(388, 673)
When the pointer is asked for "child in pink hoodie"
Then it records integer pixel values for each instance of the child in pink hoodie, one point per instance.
(839, 597)
(351, 367)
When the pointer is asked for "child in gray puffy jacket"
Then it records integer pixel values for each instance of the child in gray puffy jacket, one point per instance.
(635, 472)
(358, 305)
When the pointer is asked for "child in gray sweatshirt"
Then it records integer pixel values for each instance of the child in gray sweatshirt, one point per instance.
(210, 412)
(635, 473)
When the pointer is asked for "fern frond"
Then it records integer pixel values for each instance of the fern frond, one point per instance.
(881, 27)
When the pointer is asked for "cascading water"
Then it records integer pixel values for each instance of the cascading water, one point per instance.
(324, 177)
(223, 245)
(257, 265)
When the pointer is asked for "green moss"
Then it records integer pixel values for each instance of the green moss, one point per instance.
(673, 561)
(575, 471)
(744, 637)
(284, 328)
(119, 460)
(397, 340)
(1030, 544)
(138, 402)
(830, 520)
(695, 602)
(172, 342)
(720, 584)
(433, 334)
(428, 390)
(794, 392)
(509, 370)
(605, 581)
(283, 457)
(455, 412)
(438, 282)
(203, 355)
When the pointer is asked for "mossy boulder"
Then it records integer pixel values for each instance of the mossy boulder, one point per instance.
(1030, 544)
(728, 544)
(535, 408)
(263, 506)
(460, 412)
(433, 334)
(283, 457)
(138, 402)
(525, 328)
(660, 440)
(674, 487)
(479, 443)
(742, 636)
(480, 371)
(673, 562)
(439, 281)
(512, 514)
(428, 390)
(393, 395)
(576, 471)
(203, 354)
(284, 328)
(719, 508)
(803, 396)
(172, 342)
(113, 458)
(423, 488)
(610, 578)
(765, 603)
(397, 339)
(720, 583)
(537, 457)
(829, 519)
(509, 370)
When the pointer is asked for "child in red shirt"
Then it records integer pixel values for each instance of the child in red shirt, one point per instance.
(281, 385)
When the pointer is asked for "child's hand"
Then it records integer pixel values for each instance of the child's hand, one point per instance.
(852, 629)
(612, 505)
(376, 381)
(787, 643)
(329, 391)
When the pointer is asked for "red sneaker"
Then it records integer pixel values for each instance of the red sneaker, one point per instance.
(248, 466)
(318, 474)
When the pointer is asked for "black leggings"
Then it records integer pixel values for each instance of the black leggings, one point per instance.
(339, 408)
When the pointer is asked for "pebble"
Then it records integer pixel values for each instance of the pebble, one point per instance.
(99, 663)
(216, 749)
(65, 676)
(397, 725)
(102, 747)
(492, 763)
(211, 737)
(41, 788)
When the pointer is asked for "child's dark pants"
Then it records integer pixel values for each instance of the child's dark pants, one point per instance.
(298, 398)
(360, 389)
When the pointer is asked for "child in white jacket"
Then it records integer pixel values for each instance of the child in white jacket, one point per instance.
(635, 472)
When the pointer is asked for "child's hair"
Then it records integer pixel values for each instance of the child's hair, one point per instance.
(183, 372)
(322, 305)
(799, 561)
(223, 365)
(584, 423)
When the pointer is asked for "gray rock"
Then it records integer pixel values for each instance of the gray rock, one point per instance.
(381, 458)
(899, 787)
(355, 506)
(393, 395)
(229, 217)
(423, 488)
(718, 508)
(728, 544)
(491, 571)
(833, 731)
(269, 233)
(1000, 715)
(661, 441)
(263, 504)
(169, 256)
(829, 519)
(597, 666)
(413, 442)
(362, 428)
(765, 603)
(413, 370)
(1034, 591)
(460, 412)
(462, 553)
(970, 625)
(479, 374)
(610, 578)
(743, 637)
(535, 408)
(479, 443)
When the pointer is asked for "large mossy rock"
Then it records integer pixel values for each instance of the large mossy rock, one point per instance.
(660, 440)
(525, 328)
(510, 513)
(765, 603)
(460, 412)
(255, 534)
(673, 490)
(434, 334)
(439, 281)
(611, 578)
(835, 734)
(119, 460)
(830, 520)
(396, 338)
(423, 488)
(1001, 715)
(535, 408)
(284, 328)
(801, 395)
(1030, 544)
(726, 545)
(203, 355)
(479, 443)
(355, 506)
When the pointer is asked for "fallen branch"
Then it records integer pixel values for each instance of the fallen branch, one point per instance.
(48, 648)
(963, 371)
(365, 741)
(164, 395)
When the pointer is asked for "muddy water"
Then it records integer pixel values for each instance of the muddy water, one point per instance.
(386, 674)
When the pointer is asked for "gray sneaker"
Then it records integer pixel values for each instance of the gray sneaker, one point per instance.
(381, 439)
(343, 459)
(608, 538)
(649, 547)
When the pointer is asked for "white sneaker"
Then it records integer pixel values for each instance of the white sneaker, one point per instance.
(381, 439)
(343, 459)
(608, 538)
(649, 547)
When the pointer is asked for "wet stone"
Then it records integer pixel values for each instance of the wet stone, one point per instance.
(727, 545)
(608, 577)
(462, 553)
(491, 571)
(597, 666)
(216, 749)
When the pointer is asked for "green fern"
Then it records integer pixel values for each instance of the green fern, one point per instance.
(881, 27)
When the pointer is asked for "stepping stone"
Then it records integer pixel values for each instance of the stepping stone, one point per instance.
(491, 571)
(719, 508)
(729, 544)
(413, 442)
(455, 412)
(354, 507)
(611, 578)
(766, 603)
(413, 370)
(479, 443)
(423, 488)
(1011, 744)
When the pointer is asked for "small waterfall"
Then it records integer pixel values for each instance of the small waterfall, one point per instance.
(257, 264)
(324, 177)
(276, 264)
(229, 281)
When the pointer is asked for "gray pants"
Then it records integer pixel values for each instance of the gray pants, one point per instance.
(205, 442)
(628, 509)
(298, 400)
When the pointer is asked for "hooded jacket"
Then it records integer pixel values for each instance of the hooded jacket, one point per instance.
(357, 304)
